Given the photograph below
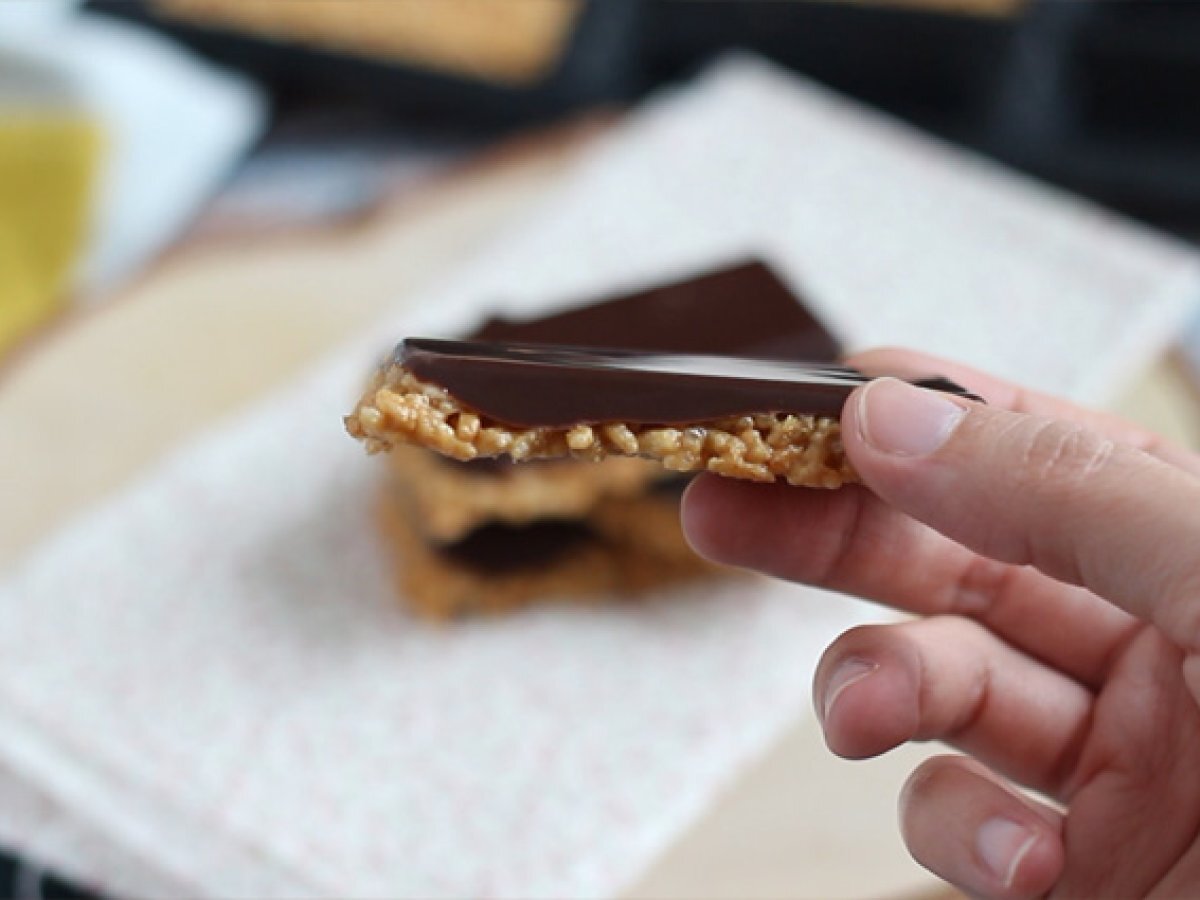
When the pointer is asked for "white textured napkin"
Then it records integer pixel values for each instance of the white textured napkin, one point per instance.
(207, 686)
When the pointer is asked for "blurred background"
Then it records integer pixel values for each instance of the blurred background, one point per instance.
(199, 198)
(1101, 97)
(359, 99)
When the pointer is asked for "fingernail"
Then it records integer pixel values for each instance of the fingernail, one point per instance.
(895, 417)
(1002, 844)
(849, 671)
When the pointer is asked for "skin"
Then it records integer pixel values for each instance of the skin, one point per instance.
(1051, 557)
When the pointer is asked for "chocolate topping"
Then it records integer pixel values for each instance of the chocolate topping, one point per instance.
(527, 386)
(499, 548)
(745, 309)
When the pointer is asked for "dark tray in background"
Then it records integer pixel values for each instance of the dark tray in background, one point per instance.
(597, 65)
(1104, 98)
(1101, 97)
(932, 68)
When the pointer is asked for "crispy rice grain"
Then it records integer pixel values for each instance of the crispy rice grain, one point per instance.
(398, 408)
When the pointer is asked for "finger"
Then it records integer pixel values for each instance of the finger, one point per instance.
(1135, 810)
(1027, 490)
(950, 679)
(851, 541)
(1006, 395)
(965, 826)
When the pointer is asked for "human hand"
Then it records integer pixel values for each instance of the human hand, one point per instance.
(1053, 555)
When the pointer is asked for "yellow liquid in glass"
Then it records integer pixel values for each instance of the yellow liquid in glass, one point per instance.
(48, 165)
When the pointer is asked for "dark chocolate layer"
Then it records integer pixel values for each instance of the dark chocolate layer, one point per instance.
(499, 548)
(552, 386)
(744, 309)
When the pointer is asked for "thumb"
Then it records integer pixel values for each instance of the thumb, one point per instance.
(1030, 490)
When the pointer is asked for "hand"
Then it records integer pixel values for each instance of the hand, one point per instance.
(1053, 557)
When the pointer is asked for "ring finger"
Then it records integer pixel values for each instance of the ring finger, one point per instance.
(950, 679)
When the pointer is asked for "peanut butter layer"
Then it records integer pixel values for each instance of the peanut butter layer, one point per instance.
(450, 499)
(494, 571)
(649, 522)
(398, 408)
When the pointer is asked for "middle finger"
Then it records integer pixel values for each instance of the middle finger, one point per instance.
(848, 540)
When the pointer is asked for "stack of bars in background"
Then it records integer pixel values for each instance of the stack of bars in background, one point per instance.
(489, 535)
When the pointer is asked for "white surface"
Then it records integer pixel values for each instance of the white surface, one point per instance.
(260, 719)
(1191, 346)
(211, 672)
(173, 126)
(20, 19)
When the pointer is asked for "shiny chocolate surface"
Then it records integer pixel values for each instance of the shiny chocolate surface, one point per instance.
(531, 385)
(744, 309)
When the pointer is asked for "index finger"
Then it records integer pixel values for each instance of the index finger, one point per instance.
(1080, 507)
(1015, 398)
